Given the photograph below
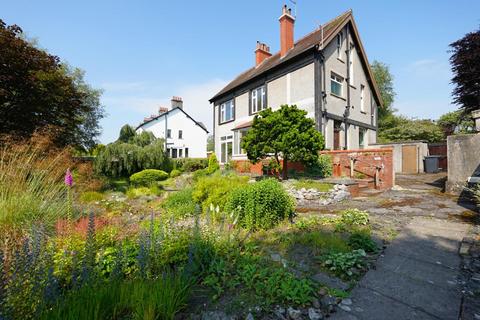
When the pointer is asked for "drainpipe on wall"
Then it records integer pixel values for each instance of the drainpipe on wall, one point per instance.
(318, 90)
(166, 133)
(347, 107)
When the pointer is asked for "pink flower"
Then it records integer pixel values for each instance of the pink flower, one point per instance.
(68, 178)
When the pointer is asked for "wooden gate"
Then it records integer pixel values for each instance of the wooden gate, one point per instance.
(409, 159)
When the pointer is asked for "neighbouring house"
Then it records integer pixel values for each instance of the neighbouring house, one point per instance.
(184, 136)
(326, 73)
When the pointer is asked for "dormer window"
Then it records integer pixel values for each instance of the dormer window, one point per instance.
(258, 99)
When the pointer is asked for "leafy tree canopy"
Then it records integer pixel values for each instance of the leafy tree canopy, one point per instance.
(384, 80)
(37, 91)
(465, 61)
(405, 129)
(285, 133)
(456, 122)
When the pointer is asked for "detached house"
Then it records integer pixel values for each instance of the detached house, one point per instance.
(184, 137)
(326, 73)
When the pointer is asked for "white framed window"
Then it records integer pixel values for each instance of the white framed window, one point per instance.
(180, 153)
(259, 99)
(169, 133)
(339, 45)
(238, 136)
(180, 134)
(362, 98)
(336, 84)
(186, 152)
(227, 111)
(226, 148)
(350, 65)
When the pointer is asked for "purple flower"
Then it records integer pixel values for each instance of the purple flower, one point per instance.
(68, 178)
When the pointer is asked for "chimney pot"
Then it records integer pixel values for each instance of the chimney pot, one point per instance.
(262, 52)
(177, 102)
(287, 22)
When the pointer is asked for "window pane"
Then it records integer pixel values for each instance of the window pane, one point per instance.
(222, 151)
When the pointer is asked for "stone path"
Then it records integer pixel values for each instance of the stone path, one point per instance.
(417, 277)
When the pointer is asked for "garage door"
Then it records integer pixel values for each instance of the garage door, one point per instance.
(409, 159)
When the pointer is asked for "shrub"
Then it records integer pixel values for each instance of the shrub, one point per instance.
(213, 164)
(134, 193)
(180, 204)
(215, 189)
(362, 240)
(261, 205)
(322, 168)
(148, 177)
(175, 173)
(345, 265)
(91, 196)
(354, 217)
(190, 164)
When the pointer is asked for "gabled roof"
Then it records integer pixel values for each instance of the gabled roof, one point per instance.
(310, 41)
(200, 124)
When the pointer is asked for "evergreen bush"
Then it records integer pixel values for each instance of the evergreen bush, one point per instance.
(147, 177)
(261, 205)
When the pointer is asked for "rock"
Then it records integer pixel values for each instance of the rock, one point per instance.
(329, 281)
(316, 304)
(294, 314)
(314, 314)
(276, 257)
(215, 315)
(328, 303)
(249, 316)
(322, 292)
(464, 249)
(345, 308)
(347, 302)
(279, 312)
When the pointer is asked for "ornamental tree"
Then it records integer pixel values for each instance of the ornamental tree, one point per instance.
(465, 62)
(285, 134)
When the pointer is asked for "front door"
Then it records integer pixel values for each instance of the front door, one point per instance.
(336, 134)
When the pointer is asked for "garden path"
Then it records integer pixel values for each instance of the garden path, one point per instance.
(418, 275)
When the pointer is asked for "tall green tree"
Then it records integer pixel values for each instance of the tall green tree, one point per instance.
(384, 80)
(126, 133)
(38, 91)
(456, 122)
(285, 133)
(405, 129)
(465, 61)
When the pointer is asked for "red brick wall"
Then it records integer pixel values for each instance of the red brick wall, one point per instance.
(366, 162)
(245, 166)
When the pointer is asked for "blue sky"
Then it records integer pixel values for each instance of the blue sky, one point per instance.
(143, 52)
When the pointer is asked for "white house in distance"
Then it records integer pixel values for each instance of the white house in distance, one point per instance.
(184, 136)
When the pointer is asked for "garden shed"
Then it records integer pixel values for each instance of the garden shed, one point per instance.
(408, 156)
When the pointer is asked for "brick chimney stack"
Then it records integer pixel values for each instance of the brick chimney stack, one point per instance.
(287, 22)
(262, 52)
(177, 102)
(162, 110)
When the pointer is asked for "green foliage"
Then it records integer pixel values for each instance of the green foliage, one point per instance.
(465, 61)
(345, 265)
(322, 168)
(287, 133)
(312, 184)
(213, 164)
(175, 173)
(91, 196)
(190, 164)
(161, 298)
(403, 129)
(261, 205)
(148, 177)
(180, 204)
(362, 240)
(352, 219)
(210, 143)
(215, 189)
(126, 133)
(456, 122)
(123, 159)
(319, 241)
(384, 80)
(153, 190)
(39, 92)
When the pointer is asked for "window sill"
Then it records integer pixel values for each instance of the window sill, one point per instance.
(339, 97)
(225, 122)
